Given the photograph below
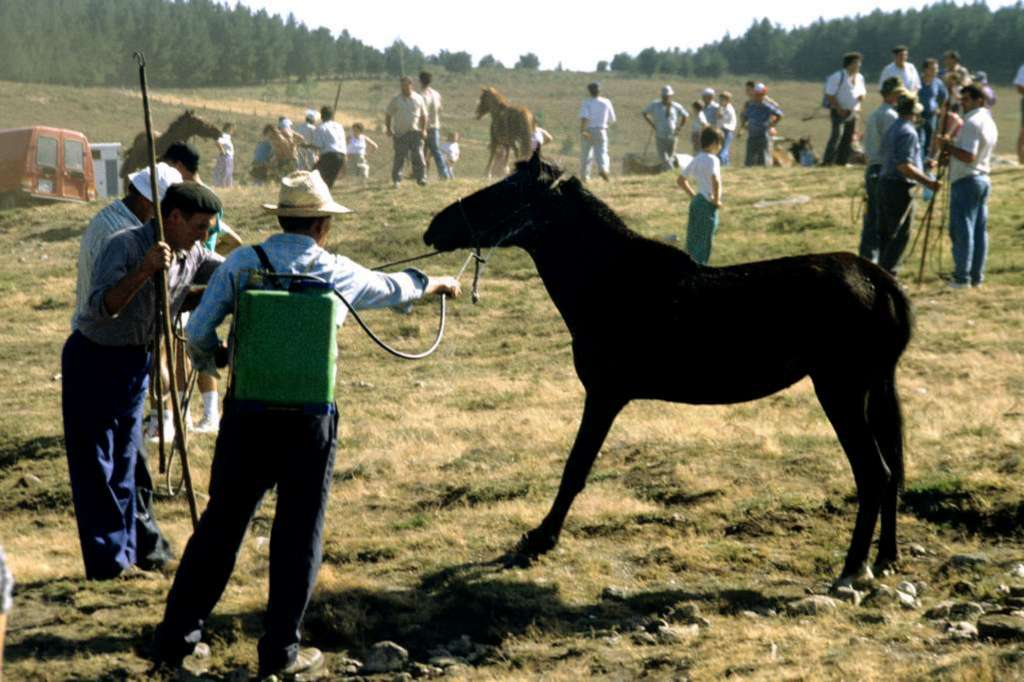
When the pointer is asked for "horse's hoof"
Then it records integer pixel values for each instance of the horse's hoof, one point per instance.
(534, 543)
(516, 559)
(886, 566)
(860, 579)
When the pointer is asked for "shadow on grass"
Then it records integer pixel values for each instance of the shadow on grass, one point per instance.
(59, 234)
(49, 647)
(34, 449)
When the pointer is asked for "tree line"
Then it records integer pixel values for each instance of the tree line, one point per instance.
(986, 40)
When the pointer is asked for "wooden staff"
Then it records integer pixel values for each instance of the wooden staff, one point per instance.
(165, 304)
(337, 96)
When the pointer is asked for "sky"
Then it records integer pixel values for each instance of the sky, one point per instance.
(577, 34)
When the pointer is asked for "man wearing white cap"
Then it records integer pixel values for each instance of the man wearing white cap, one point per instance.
(711, 111)
(307, 153)
(666, 118)
(262, 448)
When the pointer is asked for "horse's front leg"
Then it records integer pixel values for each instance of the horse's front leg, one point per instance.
(598, 414)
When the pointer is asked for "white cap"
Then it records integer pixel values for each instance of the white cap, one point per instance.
(760, 88)
(710, 92)
(667, 91)
(310, 115)
(165, 177)
(284, 123)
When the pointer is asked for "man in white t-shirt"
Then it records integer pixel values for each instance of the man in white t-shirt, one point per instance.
(970, 160)
(596, 114)
(845, 91)
(432, 98)
(901, 67)
(1019, 82)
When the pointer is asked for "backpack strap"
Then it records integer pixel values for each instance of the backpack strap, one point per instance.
(268, 268)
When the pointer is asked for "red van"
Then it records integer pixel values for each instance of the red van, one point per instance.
(41, 163)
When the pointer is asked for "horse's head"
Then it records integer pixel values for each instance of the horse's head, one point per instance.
(503, 214)
(488, 96)
(194, 125)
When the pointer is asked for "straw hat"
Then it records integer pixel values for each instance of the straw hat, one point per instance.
(304, 194)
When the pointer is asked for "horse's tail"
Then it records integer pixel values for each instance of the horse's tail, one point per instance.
(523, 130)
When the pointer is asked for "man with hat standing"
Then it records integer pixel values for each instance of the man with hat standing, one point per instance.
(878, 124)
(902, 168)
(106, 364)
(136, 208)
(760, 116)
(711, 109)
(596, 114)
(666, 119)
(257, 450)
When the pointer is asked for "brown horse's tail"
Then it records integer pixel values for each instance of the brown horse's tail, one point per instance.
(523, 132)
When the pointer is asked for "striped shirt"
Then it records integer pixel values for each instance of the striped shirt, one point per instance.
(295, 253)
(115, 217)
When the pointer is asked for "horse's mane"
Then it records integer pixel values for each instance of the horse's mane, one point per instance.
(498, 98)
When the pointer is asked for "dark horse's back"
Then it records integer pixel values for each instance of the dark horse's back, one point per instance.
(698, 334)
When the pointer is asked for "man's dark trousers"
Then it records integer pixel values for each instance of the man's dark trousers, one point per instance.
(837, 151)
(895, 216)
(255, 451)
(869, 231)
(103, 391)
(330, 165)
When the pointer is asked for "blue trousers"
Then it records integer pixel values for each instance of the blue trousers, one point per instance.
(723, 155)
(968, 227)
(256, 451)
(701, 228)
(103, 391)
(434, 147)
(869, 238)
(925, 131)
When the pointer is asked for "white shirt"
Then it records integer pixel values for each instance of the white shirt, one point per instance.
(727, 117)
(432, 98)
(450, 151)
(538, 139)
(1019, 80)
(330, 137)
(847, 90)
(598, 111)
(700, 122)
(908, 74)
(704, 167)
(357, 145)
(978, 135)
(229, 147)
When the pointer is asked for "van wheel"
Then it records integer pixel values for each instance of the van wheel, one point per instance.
(8, 201)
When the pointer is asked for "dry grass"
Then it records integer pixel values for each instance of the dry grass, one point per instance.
(444, 463)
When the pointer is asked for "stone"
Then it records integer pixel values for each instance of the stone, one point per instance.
(967, 560)
(906, 601)
(676, 634)
(962, 630)
(613, 594)
(966, 611)
(848, 594)
(644, 638)
(750, 614)
(883, 595)
(1017, 571)
(918, 550)
(385, 657)
(444, 661)
(811, 606)
(965, 587)
(907, 588)
(1002, 627)
(940, 611)
(29, 481)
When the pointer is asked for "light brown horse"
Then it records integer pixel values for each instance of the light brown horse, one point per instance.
(180, 130)
(511, 128)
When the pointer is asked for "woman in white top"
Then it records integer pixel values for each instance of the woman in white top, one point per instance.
(358, 144)
(727, 122)
(224, 169)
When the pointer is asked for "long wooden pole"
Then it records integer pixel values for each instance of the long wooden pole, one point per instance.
(337, 96)
(165, 303)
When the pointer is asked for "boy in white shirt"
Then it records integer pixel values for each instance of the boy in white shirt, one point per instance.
(451, 152)
(706, 170)
(358, 143)
(727, 122)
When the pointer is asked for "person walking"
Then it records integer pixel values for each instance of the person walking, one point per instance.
(845, 91)
(901, 67)
(970, 162)
(329, 139)
(432, 98)
(307, 152)
(105, 367)
(596, 114)
(263, 447)
(932, 95)
(666, 118)
(902, 168)
(760, 116)
(877, 125)
(406, 123)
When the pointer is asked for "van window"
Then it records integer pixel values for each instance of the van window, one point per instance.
(46, 152)
(74, 156)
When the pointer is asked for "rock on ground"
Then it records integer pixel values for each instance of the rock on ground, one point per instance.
(811, 606)
(962, 630)
(385, 657)
(1004, 627)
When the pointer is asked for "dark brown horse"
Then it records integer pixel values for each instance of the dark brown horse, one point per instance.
(180, 130)
(647, 322)
(511, 129)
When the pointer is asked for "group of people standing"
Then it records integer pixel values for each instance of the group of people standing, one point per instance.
(924, 123)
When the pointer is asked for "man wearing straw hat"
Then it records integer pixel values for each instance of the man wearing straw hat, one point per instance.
(105, 367)
(257, 450)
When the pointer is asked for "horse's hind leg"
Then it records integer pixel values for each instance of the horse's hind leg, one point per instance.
(845, 402)
(598, 415)
(886, 421)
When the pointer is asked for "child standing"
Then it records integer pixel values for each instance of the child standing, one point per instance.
(700, 122)
(727, 122)
(358, 144)
(706, 170)
(224, 169)
(451, 152)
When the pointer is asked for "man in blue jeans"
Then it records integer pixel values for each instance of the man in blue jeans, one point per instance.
(970, 161)
(432, 98)
(260, 446)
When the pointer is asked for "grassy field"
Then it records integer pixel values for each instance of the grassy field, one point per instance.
(735, 510)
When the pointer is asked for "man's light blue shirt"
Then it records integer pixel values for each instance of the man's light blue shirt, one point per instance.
(666, 119)
(297, 254)
(113, 218)
(879, 122)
